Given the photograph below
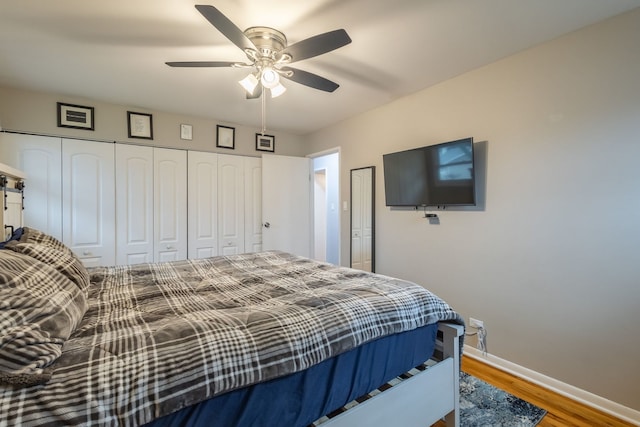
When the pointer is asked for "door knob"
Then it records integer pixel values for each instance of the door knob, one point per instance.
(267, 225)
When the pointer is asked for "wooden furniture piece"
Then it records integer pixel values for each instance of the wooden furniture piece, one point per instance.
(12, 187)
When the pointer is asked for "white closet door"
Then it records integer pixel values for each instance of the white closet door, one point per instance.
(39, 157)
(170, 200)
(252, 204)
(203, 204)
(230, 204)
(88, 194)
(134, 204)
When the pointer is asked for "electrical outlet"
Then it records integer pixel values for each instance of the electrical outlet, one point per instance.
(475, 323)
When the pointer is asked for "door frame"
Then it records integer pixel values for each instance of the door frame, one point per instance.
(313, 157)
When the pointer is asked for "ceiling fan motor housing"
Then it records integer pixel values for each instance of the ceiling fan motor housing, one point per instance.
(267, 40)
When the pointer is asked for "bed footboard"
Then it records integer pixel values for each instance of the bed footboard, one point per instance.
(421, 400)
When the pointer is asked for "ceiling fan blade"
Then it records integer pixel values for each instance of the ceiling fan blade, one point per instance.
(225, 26)
(317, 45)
(309, 79)
(201, 64)
(257, 92)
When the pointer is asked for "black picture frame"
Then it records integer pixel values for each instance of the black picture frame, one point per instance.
(139, 125)
(76, 116)
(225, 137)
(265, 142)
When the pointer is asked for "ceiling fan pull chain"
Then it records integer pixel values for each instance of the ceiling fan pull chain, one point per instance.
(264, 112)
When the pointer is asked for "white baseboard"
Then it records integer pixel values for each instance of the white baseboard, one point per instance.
(587, 398)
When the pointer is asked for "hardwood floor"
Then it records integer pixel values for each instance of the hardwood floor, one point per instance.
(561, 411)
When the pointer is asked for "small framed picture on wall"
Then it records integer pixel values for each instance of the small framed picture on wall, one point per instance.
(225, 137)
(186, 132)
(75, 116)
(265, 142)
(139, 125)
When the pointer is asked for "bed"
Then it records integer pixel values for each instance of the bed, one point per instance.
(258, 339)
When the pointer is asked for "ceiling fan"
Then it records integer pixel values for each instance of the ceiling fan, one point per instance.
(269, 55)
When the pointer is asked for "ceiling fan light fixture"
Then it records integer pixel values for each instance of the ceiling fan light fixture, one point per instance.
(269, 77)
(249, 83)
(278, 90)
(268, 51)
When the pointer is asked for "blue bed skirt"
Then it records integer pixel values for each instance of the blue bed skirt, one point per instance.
(301, 398)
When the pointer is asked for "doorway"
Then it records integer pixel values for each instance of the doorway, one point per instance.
(320, 214)
(326, 203)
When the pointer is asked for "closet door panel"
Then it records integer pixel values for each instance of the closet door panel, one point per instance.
(170, 204)
(253, 204)
(203, 204)
(88, 194)
(230, 204)
(134, 204)
(40, 158)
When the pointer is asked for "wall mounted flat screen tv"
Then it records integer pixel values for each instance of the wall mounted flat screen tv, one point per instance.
(435, 175)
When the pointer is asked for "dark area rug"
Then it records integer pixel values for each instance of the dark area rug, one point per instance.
(482, 404)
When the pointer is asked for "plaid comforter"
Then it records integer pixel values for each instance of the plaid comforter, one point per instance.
(159, 337)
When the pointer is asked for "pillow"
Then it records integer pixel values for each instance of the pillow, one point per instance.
(62, 260)
(31, 235)
(39, 309)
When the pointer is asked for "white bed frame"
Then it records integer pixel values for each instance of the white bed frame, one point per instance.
(419, 401)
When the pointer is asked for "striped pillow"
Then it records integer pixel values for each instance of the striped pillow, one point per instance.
(39, 309)
(31, 235)
(62, 260)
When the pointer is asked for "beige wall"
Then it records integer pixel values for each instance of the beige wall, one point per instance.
(36, 112)
(552, 261)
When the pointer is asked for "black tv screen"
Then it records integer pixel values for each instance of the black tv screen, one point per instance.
(435, 175)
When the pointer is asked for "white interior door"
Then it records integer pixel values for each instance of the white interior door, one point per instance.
(134, 204)
(230, 204)
(170, 199)
(357, 223)
(367, 220)
(252, 204)
(320, 215)
(88, 192)
(362, 219)
(39, 157)
(286, 207)
(203, 204)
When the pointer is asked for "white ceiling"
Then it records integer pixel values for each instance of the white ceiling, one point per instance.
(115, 51)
